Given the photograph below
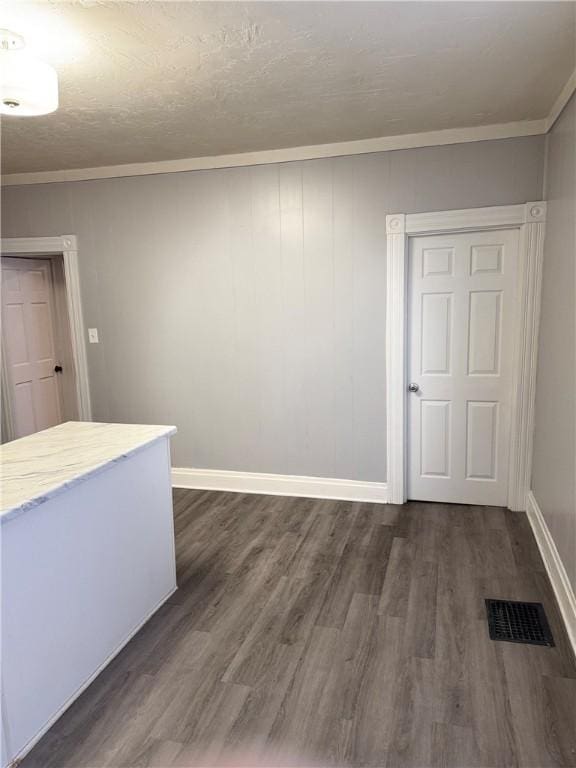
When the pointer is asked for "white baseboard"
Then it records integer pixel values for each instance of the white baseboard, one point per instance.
(279, 485)
(554, 566)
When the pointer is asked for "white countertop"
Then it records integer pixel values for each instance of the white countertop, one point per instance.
(40, 466)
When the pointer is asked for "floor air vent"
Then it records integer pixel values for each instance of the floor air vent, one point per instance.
(518, 622)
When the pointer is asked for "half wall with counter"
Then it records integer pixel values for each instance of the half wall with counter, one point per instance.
(87, 558)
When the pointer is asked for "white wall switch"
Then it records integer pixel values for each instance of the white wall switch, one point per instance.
(93, 335)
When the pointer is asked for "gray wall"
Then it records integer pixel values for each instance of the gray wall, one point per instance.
(247, 306)
(554, 469)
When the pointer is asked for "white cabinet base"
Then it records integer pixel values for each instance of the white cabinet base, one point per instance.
(81, 573)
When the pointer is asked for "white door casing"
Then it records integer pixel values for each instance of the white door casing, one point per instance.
(529, 220)
(65, 246)
(29, 336)
(462, 295)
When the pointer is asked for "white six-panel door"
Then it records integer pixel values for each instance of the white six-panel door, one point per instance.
(462, 310)
(29, 340)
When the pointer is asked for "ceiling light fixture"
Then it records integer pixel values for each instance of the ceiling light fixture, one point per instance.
(27, 86)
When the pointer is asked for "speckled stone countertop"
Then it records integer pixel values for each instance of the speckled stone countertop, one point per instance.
(40, 466)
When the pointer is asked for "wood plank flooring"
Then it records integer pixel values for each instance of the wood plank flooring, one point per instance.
(324, 633)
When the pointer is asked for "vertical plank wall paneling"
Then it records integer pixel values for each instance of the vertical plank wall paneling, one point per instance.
(554, 471)
(247, 305)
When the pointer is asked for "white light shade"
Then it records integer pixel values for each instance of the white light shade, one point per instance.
(27, 86)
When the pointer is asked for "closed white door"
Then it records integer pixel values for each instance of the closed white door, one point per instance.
(462, 299)
(29, 344)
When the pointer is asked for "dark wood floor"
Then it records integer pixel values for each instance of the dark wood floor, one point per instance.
(323, 633)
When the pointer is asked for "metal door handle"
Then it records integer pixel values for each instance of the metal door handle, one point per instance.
(413, 388)
(57, 369)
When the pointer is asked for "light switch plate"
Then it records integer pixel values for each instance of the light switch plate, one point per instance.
(93, 335)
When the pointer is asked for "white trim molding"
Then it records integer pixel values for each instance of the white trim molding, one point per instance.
(67, 246)
(563, 99)
(314, 151)
(530, 220)
(531, 253)
(396, 282)
(279, 485)
(289, 154)
(554, 567)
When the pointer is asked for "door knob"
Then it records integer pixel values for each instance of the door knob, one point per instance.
(413, 388)
(57, 369)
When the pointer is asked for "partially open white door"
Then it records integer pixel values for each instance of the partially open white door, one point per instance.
(462, 311)
(28, 332)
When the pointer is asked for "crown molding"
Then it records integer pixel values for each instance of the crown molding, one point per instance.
(563, 99)
(315, 151)
(290, 154)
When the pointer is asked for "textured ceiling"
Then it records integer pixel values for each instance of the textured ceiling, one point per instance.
(143, 81)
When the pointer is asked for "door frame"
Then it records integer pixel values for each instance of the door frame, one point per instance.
(530, 220)
(67, 247)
